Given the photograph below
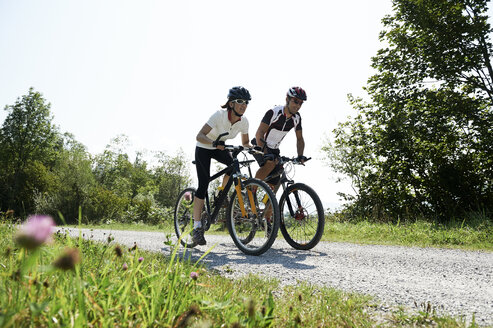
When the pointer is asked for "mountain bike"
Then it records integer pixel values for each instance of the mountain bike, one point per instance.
(251, 230)
(302, 215)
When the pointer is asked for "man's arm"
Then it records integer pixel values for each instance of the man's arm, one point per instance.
(261, 131)
(300, 142)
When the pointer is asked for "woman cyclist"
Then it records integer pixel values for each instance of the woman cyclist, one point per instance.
(230, 120)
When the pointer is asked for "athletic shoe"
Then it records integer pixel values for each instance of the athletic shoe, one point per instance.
(198, 236)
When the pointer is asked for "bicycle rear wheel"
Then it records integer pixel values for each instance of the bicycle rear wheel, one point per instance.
(302, 216)
(255, 232)
(183, 217)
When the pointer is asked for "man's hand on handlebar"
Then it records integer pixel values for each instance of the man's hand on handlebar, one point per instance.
(301, 159)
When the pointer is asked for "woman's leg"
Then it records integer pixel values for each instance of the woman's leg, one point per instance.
(198, 205)
(202, 163)
(224, 157)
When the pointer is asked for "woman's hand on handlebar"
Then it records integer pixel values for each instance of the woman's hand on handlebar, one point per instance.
(218, 144)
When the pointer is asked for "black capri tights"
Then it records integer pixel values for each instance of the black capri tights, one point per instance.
(203, 165)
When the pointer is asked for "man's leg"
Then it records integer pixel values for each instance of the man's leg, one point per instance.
(265, 170)
(261, 174)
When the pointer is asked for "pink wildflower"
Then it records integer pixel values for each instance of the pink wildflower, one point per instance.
(37, 229)
(125, 267)
(188, 196)
(141, 259)
(194, 275)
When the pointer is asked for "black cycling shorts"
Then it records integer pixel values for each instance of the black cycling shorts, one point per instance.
(203, 158)
(261, 162)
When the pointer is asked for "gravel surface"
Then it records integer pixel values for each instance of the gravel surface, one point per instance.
(454, 282)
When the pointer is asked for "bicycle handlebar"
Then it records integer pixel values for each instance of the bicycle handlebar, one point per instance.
(295, 160)
(250, 150)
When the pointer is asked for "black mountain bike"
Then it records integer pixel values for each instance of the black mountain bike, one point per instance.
(252, 232)
(302, 214)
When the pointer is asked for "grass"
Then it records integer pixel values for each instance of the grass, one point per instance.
(474, 235)
(112, 286)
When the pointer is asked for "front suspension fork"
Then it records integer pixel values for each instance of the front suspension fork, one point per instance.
(241, 201)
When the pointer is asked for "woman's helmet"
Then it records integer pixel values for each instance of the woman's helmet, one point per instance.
(297, 92)
(239, 93)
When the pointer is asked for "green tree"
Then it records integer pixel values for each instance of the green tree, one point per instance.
(28, 151)
(171, 176)
(75, 183)
(423, 144)
(115, 171)
(142, 193)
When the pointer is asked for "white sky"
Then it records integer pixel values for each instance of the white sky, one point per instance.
(156, 70)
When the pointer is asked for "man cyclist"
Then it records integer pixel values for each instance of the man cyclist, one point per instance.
(276, 123)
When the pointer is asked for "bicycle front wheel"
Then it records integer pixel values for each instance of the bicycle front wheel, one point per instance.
(302, 216)
(255, 229)
(183, 217)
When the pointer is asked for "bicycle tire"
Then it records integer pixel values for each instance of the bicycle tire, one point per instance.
(254, 234)
(305, 229)
(183, 217)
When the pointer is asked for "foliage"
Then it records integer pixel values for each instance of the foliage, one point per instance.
(75, 183)
(133, 191)
(423, 144)
(171, 177)
(29, 143)
(44, 171)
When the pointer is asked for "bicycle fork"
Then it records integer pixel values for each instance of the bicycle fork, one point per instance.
(298, 213)
(241, 201)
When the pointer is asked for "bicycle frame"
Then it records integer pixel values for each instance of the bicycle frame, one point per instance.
(252, 231)
(284, 182)
(234, 178)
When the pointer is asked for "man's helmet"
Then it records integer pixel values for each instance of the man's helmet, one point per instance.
(239, 93)
(297, 92)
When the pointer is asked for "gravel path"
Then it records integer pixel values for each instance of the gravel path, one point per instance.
(451, 281)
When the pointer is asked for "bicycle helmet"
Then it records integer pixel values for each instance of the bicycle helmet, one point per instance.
(297, 92)
(239, 93)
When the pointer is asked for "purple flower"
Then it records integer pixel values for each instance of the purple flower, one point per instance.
(188, 196)
(125, 267)
(37, 229)
(141, 259)
(194, 275)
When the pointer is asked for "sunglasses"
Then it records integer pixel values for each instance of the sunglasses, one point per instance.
(240, 101)
(297, 101)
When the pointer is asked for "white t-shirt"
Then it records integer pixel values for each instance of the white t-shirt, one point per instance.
(220, 123)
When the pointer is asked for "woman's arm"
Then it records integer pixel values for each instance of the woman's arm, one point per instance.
(202, 135)
(245, 140)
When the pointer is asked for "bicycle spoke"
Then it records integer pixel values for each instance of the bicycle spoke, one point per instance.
(253, 232)
(302, 218)
(183, 220)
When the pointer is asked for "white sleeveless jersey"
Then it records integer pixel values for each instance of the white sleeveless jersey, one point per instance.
(279, 125)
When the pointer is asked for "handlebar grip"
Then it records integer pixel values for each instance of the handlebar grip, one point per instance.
(217, 142)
